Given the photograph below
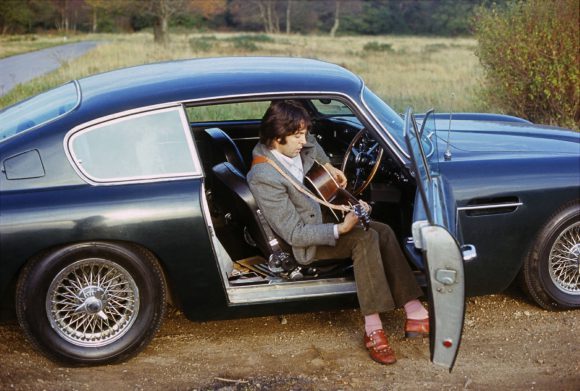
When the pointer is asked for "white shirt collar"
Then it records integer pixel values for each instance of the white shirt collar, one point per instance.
(294, 165)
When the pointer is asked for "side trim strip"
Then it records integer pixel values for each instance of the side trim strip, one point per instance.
(491, 206)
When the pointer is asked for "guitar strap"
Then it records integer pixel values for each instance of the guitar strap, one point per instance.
(263, 159)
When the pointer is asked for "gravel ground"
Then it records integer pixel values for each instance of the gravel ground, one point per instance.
(508, 344)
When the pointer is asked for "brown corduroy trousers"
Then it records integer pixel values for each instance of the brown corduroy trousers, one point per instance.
(383, 276)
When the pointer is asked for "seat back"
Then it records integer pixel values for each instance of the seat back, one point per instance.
(233, 193)
(223, 142)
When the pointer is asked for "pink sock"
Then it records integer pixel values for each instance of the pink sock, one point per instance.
(373, 323)
(415, 310)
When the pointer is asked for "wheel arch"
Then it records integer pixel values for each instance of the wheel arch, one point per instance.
(534, 248)
(141, 260)
(44, 252)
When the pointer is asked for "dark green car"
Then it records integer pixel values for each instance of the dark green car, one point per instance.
(124, 191)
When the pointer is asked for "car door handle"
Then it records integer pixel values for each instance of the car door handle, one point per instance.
(468, 252)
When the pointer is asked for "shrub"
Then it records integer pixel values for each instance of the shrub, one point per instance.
(246, 45)
(202, 44)
(377, 47)
(529, 51)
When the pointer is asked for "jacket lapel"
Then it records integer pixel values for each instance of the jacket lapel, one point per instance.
(306, 155)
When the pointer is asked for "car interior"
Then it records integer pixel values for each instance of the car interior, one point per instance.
(249, 263)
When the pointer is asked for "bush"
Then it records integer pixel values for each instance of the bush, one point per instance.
(377, 47)
(202, 44)
(529, 51)
(247, 41)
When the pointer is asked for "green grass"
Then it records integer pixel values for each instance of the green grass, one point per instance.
(423, 72)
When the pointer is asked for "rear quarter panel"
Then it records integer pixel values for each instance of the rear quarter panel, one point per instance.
(164, 217)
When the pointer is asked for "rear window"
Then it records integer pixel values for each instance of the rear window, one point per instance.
(145, 146)
(38, 110)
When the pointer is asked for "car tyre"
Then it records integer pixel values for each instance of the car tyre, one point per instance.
(91, 303)
(551, 271)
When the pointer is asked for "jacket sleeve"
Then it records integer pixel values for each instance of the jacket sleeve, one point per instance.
(272, 197)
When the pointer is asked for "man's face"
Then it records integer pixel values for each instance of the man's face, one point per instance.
(294, 143)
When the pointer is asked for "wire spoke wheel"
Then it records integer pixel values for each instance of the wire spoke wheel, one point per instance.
(564, 260)
(92, 302)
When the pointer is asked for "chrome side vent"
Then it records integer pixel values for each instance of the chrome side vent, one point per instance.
(491, 206)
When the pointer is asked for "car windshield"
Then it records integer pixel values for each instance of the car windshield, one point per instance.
(393, 123)
(38, 110)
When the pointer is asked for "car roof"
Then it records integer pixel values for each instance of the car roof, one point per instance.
(187, 80)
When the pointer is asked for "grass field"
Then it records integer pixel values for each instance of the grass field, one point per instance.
(423, 72)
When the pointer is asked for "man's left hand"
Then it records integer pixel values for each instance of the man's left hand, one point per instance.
(337, 174)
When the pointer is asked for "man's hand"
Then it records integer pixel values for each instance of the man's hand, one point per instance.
(350, 220)
(337, 174)
(366, 206)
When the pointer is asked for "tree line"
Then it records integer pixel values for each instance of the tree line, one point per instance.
(374, 17)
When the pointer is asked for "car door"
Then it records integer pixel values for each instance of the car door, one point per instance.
(436, 235)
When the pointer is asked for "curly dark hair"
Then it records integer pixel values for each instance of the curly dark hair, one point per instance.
(283, 118)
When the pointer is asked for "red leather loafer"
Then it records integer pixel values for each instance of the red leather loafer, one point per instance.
(378, 347)
(416, 328)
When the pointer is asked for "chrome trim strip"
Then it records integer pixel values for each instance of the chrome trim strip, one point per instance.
(480, 207)
(276, 292)
(491, 206)
(363, 111)
(380, 124)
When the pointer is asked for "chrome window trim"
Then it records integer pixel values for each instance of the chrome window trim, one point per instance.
(362, 110)
(88, 127)
(491, 206)
(385, 130)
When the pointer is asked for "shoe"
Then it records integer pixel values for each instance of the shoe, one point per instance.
(378, 347)
(416, 328)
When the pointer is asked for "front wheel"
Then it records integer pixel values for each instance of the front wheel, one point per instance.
(551, 272)
(91, 303)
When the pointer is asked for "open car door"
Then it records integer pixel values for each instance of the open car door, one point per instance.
(435, 235)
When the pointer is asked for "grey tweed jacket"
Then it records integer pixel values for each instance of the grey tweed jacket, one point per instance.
(293, 216)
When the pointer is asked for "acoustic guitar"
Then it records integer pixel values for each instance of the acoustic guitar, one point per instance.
(321, 183)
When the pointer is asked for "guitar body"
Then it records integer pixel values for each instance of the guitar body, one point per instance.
(321, 183)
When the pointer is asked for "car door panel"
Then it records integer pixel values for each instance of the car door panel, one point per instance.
(434, 234)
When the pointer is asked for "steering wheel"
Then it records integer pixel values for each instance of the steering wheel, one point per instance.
(362, 160)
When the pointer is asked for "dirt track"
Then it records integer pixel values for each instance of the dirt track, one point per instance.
(508, 344)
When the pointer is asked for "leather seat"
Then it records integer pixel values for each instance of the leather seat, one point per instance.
(233, 192)
(234, 196)
(223, 142)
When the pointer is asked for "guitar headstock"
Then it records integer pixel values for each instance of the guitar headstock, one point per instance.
(363, 216)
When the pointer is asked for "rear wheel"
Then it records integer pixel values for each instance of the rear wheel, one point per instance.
(551, 273)
(91, 303)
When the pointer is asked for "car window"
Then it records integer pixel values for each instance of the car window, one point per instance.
(331, 107)
(38, 110)
(144, 146)
(228, 112)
